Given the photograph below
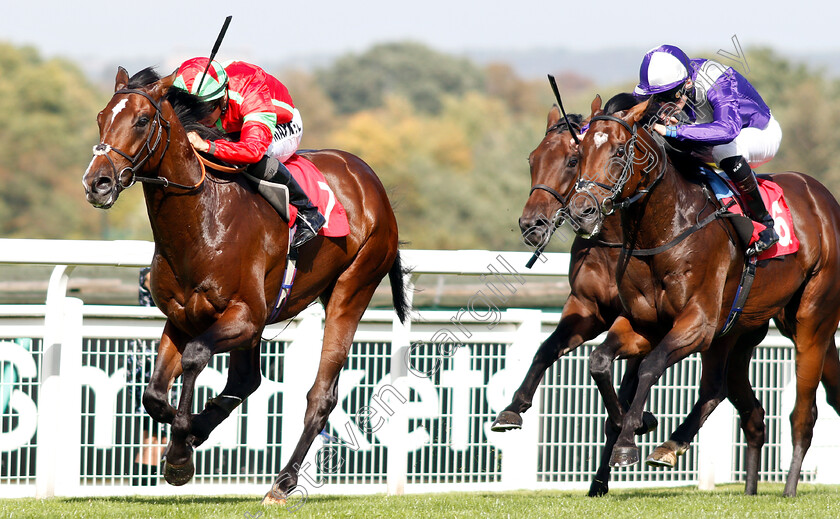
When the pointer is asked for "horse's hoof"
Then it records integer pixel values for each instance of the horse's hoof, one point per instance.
(649, 424)
(624, 456)
(273, 498)
(666, 455)
(598, 488)
(507, 421)
(177, 475)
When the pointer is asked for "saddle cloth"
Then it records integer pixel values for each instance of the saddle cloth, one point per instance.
(774, 200)
(315, 185)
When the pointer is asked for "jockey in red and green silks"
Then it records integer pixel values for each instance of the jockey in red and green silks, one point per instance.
(248, 100)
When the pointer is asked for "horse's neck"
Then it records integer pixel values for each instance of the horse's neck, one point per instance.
(664, 213)
(178, 216)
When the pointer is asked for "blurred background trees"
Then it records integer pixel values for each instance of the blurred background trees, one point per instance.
(448, 138)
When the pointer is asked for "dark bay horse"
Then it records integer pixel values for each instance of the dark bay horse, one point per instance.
(593, 304)
(220, 255)
(692, 284)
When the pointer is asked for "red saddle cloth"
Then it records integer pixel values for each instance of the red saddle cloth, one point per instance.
(315, 185)
(774, 200)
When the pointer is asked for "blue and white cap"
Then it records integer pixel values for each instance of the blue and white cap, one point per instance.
(663, 68)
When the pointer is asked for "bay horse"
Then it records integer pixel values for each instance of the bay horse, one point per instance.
(679, 298)
(594, 305)
(220, 256)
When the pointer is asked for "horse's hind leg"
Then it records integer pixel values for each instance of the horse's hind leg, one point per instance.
(811, 347)
(167, 368)
(742, 397)
(711, 392)
(244, 378)
(577, 325)
(344, 309)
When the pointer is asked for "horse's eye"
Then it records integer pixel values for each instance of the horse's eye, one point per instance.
(142, 121)
(572, 162)
(620, 151)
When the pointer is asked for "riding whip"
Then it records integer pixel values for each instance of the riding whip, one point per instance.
(562, 110)
(215, 50)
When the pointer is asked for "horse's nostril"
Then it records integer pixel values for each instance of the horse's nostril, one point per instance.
(103, 184)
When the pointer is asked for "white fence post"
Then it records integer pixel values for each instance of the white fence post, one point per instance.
(69, 441)
(397, 465)
(716, 444)
(51, 395)
(519, 448)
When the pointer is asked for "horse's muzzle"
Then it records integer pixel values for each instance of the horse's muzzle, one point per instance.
(100, 190)
(535, 230)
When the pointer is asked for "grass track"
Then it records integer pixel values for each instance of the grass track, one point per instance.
(687, 502)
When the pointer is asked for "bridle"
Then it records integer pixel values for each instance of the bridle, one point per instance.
(610, 203)
(150, 146)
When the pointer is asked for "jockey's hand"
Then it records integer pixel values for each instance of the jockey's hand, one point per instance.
(660, 129)
(197, 142)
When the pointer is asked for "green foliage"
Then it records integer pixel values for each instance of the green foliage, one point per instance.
(410, 70)
(47, 128)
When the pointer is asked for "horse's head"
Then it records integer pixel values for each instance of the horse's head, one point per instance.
(554, 168)
(617, 157)
(133, 134)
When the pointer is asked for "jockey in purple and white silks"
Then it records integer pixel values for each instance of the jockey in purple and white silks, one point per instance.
(727, 117)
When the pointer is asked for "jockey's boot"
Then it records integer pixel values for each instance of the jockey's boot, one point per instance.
(742, 176)
(309, 219)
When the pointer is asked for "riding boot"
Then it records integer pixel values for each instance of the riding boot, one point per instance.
(309, 219)
(742, 176)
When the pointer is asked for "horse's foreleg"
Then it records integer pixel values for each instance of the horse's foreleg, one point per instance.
(234, 329)
(622, 339)
(689, 334)
(244, 378)
(601, 481)
(167, 368)
(578, 324)
(711, 392)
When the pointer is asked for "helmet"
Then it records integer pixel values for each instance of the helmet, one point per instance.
(663, 68)
(191, 72)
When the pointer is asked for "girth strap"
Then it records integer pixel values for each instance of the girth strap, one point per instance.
(747, 278)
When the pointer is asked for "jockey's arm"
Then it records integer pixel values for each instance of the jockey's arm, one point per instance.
(726, 125)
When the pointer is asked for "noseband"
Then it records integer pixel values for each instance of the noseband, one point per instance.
(153, 141)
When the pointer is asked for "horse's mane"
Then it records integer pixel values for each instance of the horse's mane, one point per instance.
(188, 108)
(620, 102)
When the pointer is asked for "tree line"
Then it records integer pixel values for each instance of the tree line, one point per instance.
(448, 138)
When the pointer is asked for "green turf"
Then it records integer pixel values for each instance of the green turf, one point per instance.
(725, 502)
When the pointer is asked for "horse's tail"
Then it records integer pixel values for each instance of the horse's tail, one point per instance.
(399, 294)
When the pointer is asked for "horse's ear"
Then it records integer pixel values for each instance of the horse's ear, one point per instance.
(596, 105)
(634, 114)
(162, 86)
(121, 80)
(553, 117)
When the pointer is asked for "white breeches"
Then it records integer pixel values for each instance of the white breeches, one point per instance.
(286, 138)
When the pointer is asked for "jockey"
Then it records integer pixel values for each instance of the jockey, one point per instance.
(727, 116)
(250, 101)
